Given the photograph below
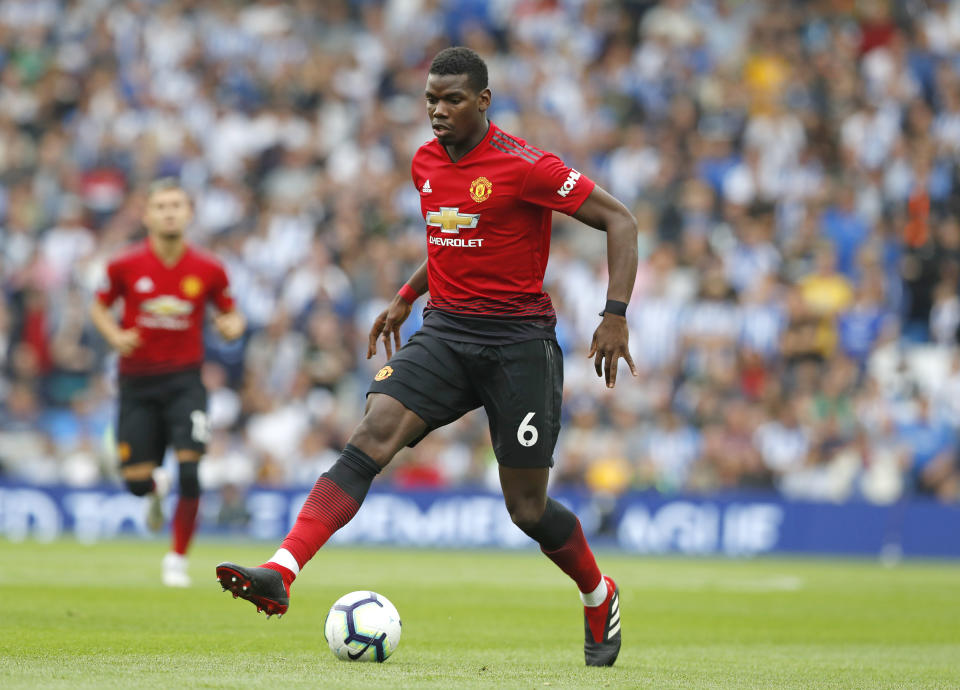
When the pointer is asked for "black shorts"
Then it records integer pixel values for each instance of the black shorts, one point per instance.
(520, 386)
(161, 410)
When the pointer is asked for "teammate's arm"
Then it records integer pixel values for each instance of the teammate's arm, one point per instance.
(124, 341)
(230, 324)
(602, 211)
(388, 323)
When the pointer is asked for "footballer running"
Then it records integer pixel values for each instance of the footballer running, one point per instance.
(165, 286)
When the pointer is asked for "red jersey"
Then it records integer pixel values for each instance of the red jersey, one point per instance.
(488, 218)
(166, 304)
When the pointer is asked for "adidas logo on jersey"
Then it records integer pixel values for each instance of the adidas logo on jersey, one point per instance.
(569, 183)
(426, 187)
(144, 284)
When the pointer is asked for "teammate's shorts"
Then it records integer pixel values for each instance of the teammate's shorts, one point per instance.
(520, 386)
(161, 410)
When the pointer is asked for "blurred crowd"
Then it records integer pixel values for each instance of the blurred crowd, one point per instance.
(792, 166)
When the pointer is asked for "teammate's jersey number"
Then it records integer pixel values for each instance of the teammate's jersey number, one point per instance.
(201, 428)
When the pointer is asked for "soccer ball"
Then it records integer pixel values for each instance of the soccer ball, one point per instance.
(362, 626)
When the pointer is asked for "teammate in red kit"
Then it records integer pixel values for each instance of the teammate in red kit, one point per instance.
(487, 340)
(165, 286)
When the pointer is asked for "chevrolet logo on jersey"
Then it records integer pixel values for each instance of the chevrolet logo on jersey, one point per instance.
(167, 305)
(449, 219)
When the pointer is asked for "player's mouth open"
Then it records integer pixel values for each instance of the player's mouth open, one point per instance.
(439, 129)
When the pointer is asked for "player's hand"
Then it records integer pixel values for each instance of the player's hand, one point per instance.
(126, 341)
(230, 325)
(609, 345)
(387, 327)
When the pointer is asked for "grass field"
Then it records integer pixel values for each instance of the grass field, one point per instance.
(74, 616)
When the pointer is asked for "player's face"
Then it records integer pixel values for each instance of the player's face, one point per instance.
(168, 213)
(455, 109)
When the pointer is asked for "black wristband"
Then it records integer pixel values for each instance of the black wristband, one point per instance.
(615, 307)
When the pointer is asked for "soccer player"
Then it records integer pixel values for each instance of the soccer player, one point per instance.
(487, 339)
(165, 285)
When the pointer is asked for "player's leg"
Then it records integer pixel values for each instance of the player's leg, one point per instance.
(185, 415)
(553, 526)
(560, 536)
(387, 426)
(522, 398)
(141, 442)
(416, 392)
(184, 521)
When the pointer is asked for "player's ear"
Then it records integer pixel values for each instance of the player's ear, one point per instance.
(483, 100)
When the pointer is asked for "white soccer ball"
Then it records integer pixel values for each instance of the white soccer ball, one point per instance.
(362, 626)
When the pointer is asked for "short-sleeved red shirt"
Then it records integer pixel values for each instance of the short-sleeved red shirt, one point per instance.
(488, 219)
(166, 304)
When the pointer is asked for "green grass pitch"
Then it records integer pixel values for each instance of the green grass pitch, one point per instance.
(75, 616)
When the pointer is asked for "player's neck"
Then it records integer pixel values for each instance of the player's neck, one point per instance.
(459, 151)
(168, 251)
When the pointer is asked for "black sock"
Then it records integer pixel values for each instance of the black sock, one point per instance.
(554, 527)
(353, 472)
(189, 479)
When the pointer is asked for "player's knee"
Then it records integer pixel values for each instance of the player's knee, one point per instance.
(189, 479)
(525, 512)
(554, 526)
(138, 477)
(139, 487)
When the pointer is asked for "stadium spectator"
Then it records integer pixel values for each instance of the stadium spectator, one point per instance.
(932, 445)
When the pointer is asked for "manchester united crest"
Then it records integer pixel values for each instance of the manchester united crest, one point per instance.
(383, 373)
(191, 286)
(480, 189)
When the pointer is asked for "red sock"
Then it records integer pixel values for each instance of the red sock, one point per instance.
(184, 523)
(576, 559)
(285, 573)
(327, 509)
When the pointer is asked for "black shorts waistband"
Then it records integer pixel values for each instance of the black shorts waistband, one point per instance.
(153, 379)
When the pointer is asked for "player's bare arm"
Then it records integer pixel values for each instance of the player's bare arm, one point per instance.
(230, 324)
(610, 341)
(124, 341)
(387, 325)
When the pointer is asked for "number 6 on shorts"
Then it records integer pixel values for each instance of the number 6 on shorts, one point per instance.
(527, 433)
